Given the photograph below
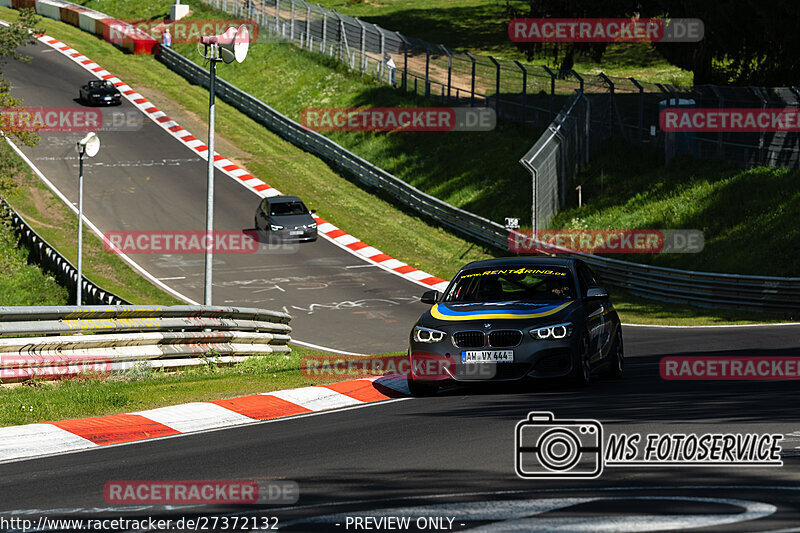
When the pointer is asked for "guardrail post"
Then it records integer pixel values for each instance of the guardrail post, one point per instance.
(472, 81)
(524, 91)
(309, 37)
(497, 87)
(278, 17)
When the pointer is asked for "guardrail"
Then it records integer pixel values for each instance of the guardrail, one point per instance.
(366, 173)
(71, 341)
(697, 288)
(53, 262)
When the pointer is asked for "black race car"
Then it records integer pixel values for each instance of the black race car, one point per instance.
(514, 319)
(100, 92)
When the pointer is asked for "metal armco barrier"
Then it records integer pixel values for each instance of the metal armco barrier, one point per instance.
(696, 288)
(70, 341)
(52, 261)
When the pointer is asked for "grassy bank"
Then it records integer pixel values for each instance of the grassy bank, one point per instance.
(377, 221)
(140, 388)
(749, 217)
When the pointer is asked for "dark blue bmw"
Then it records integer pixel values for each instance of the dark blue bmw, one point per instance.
(515, 319)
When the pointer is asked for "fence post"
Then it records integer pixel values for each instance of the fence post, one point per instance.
(427, 71)
(263, 20)
(610, 84)
(760, 95)
(363, 44)
(640, 118)
(580, 79)
(405, 59)
(552, 90)
(383, 51)
(524, 91)
(309, 37)
(324, 28)
(291, 24)
(449, 69)
(472, 82)
(721, 100)
(497, 87)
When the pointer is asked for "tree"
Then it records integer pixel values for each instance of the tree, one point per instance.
(746, 42)
(564, 54)
(12, 37)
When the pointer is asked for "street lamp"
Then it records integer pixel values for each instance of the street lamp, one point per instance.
(89, 145)
(225, 47)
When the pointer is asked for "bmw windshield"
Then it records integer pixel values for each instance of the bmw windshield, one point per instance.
(504, 284)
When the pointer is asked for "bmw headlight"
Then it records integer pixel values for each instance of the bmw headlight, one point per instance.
(273, 227)
(313, 225)
(554, 332)
(422, 334)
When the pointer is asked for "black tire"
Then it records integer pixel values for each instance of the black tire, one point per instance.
(616, 357)
(581, 365)
(419, 388)
(255, 223)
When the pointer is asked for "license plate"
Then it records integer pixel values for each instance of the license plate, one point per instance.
(488, 356)
(295, 233)
(108, 98)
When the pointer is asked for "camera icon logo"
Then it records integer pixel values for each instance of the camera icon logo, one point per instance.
(546, 448)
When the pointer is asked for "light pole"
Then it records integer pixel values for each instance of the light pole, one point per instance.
(225, 47)
(89, 145)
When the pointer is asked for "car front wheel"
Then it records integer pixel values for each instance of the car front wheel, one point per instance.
(419, 388)
(582, 365)
(616, 357)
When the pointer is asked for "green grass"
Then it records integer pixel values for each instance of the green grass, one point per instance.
(375, 220)
(22, 283)
(481, 26)
(749, 217)
(142, 388)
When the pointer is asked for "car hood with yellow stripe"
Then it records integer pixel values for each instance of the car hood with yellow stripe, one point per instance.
(497, 310)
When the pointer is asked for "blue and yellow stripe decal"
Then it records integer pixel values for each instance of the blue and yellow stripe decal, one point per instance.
(442, 312)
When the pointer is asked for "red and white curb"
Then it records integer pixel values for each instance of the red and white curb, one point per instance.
(34, 440)
(326, 229)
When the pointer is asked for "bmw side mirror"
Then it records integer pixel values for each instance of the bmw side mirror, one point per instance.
(430, 297)
(313, 211)
(596, 293)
